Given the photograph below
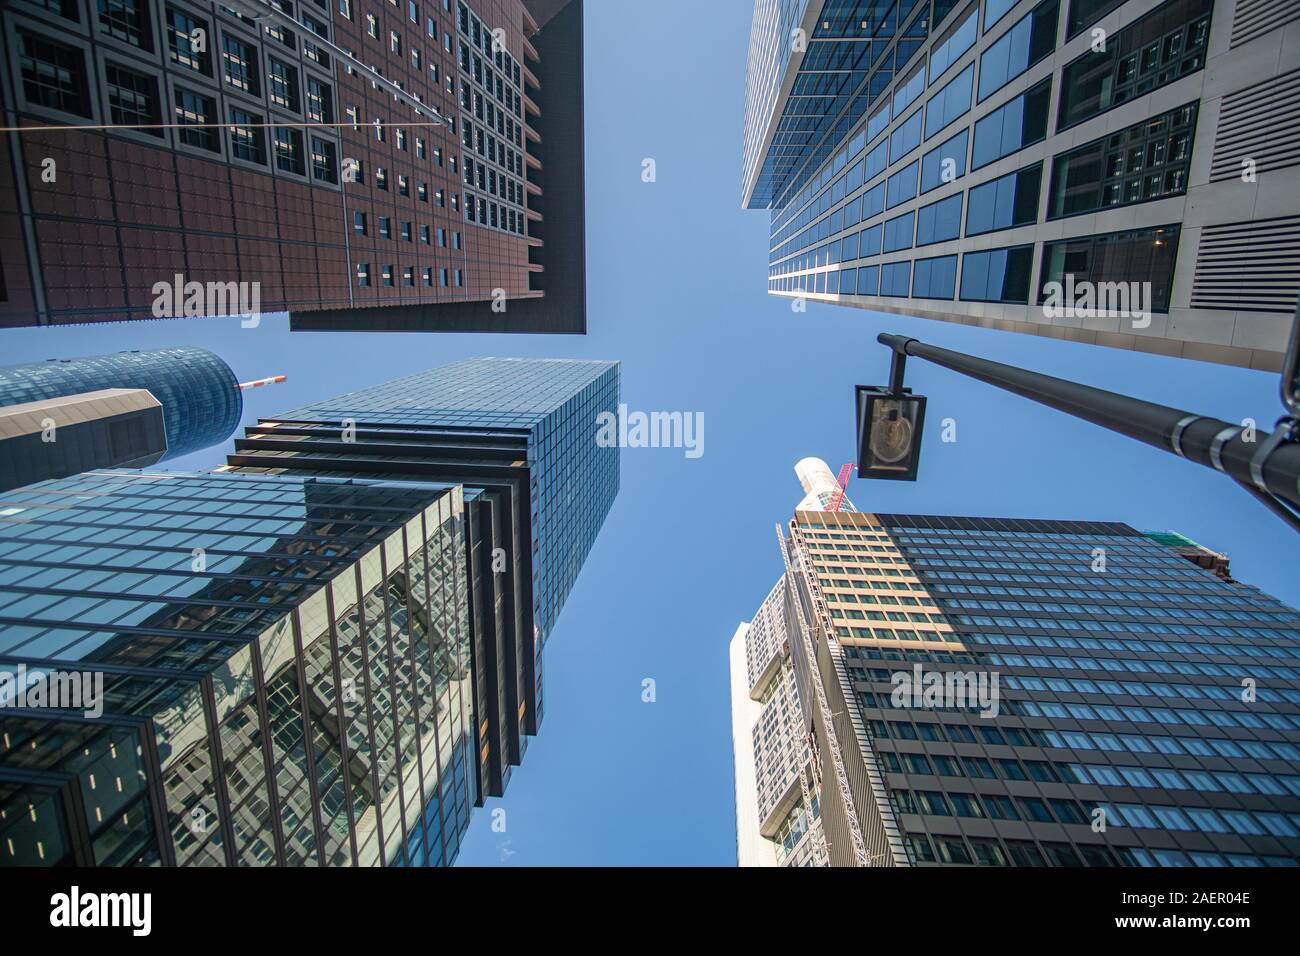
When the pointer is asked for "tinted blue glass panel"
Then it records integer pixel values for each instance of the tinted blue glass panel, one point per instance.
(949, 50)
(939, 221)
(1012, 126)
(906, 138)
(869, 241)
(902, 185)
(950, 102)
(895, 278)
(898, 232)
(934, 278)
(933, 167)
(869, 280)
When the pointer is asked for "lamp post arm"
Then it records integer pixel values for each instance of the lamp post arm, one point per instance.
(1206, 441)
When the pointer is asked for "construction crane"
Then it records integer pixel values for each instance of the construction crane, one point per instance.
(843, 482)
(257, 383)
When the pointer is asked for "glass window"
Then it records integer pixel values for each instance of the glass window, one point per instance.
(868, 280)
(1010, 200)
(899, 231)
(950, 102)
(239, 64)
(183, 33)
(905, 138)
(1027, 42)
(934, 278)
(869, 240)
(248, 137)
(194, 112)
(54, 74)
(1013, 126)
(995, 10)
(945, 163)
(287, 147)
(939, 221)
(958, 40)
(132, 98)
(1148, 160)
(1137, 256)
(895, 278)
(997, 275)
(1163, 46)
(902, 185)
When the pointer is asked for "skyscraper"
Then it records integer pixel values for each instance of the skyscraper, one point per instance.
(778, 819)
(1093, 170)
(412, 165)
(65, 416)
(320, 658)
(1037, 693)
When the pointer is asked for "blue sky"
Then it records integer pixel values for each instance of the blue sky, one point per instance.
(677, 287)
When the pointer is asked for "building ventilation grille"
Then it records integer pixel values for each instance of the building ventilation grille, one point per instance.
(1249, 266)
(1261, 123)
(1254, 18)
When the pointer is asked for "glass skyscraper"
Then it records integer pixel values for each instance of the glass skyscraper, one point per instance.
(1001, 692)
(200, 396)
(1007, 163)
(324, 652)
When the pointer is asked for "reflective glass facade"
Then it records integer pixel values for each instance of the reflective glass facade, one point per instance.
(285, 667)
(1148, 708)
(200, 395)
(988, 88)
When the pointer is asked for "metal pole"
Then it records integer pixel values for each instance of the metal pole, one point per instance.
(1206, 441)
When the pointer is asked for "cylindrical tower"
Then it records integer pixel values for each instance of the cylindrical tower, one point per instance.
(200, 396)
(819, 481)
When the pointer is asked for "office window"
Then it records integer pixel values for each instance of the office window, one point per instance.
(363, 273)
(1084, 13)
(284, 84)
(876, 161)
(345, 9)
(934, 169)
(895, 277)
(388, 275)
(54, 74)
(1013, 126)
(995, 10)
(1025, 44)
(239, 64)
(132, 98)
(934, 278)
(324, 162)
(126, 20)
(182, 30)
(950, 102)
(1010, 200)
(372, 25)
(997, 275)
(310, 50)
(288, 151)
(1140, 255)
(428, 276)
(898, 232)
(403, 185)
(909, 90)
(406, 231)
(408, 275)
(424, 235)
(873, 201)
(1166, 44)
(381, 178)
(939, 221)
(869, 240)
(902, 185)
(906, 137)
(869, 280)
(959, 39)
(193, 111)
(359, 223)
(320, 101)
(247, 136)
(384, 231)
(1148, 160)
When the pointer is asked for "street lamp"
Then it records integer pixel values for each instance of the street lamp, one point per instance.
(890, 420)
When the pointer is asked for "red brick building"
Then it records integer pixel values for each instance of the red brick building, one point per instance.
(255, 146)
